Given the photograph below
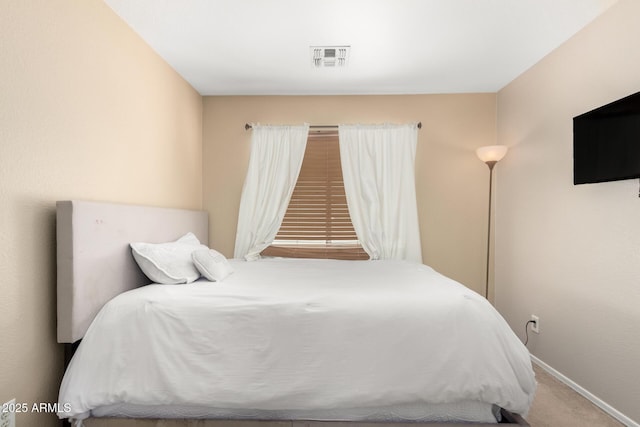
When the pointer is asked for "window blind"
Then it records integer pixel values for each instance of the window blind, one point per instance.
(317, 222)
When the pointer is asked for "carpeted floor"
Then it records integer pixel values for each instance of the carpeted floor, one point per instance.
(557, 405)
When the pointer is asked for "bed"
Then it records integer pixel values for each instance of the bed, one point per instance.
(283, 342)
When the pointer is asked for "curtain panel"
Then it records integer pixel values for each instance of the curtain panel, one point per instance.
(274, 165)
(378, 166)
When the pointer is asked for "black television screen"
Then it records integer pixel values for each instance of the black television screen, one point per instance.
(606, 142)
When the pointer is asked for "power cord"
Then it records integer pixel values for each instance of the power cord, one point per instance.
(526, 330)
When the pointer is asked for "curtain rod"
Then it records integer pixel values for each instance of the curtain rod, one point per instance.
(247, 126)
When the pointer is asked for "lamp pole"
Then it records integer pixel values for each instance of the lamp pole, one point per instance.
(491, 164)
(490, 155)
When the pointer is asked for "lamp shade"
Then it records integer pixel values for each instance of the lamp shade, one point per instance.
(491, 153)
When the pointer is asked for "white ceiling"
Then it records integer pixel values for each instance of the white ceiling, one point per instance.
(261, 47)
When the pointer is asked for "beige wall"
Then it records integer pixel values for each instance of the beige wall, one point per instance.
(87, 111)
(452, 184)
(571, 254)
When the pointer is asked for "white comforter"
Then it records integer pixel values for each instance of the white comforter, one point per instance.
(300, 335)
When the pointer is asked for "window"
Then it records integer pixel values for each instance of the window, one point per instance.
(317, 222)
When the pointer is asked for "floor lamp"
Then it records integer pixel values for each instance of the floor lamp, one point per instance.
(491, 154)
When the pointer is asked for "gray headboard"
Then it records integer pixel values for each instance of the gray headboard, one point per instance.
(94, 258)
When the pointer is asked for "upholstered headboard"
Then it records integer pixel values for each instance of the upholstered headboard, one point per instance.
(94, 258)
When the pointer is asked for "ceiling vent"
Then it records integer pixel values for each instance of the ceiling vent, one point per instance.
(329, 56)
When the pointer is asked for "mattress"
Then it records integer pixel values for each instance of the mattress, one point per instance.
(464, 411)
(303, 337)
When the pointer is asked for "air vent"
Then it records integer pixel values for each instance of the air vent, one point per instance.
(329, 56)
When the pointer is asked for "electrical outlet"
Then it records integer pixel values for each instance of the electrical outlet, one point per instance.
(8, 414)
(535, 324)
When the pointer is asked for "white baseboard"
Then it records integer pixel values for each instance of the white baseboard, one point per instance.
(586, 394)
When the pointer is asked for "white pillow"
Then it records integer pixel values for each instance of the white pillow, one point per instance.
(211, 264)
(168, 263)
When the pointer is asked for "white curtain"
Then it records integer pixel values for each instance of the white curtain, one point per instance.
(274, 165)
(378, 165)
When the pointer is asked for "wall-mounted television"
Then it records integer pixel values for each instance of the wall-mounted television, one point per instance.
(606, 142)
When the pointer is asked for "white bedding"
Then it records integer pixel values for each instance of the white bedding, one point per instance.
(300, 335)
